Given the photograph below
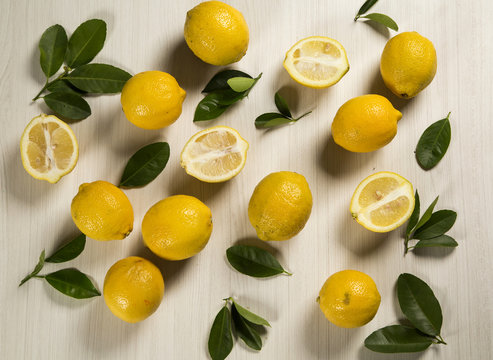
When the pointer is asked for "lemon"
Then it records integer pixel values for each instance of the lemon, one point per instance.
(102, 211)
(349, 299)
(216, 33)
(152, 100)
(382, 202)
(280, 206)
(214, 155)
(365, 123)
(408, 64)
(133, 289)
(49, 149)
(177, 227)
(317, 62)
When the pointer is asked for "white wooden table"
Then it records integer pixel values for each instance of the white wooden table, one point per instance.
(39, 323)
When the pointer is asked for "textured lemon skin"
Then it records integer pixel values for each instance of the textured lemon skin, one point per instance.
(216, 33)
(365, 123)
(177, 227)
(280, 206)
(102, 211)
(152, 100)
(133, 289)
(349, 299)
(408, 64)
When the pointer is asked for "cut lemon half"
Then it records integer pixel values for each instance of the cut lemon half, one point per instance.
(49, 149)
(214, 155)
(382, 202)
(317, 62)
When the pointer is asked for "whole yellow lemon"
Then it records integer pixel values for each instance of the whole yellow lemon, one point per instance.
(102, 211)
(133, 289)
(216, 33)
(365, 123)
(177, 227)
(280, 206)
(408, 64)
(152, 100)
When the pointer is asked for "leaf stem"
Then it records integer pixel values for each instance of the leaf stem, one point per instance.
(287, 273)
(356, 17)
(440, 340)
(66, 69)
(302, 116)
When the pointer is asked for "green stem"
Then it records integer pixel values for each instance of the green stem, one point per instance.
(287, 273)
(356, 17)
(66, 69)
(440, 340)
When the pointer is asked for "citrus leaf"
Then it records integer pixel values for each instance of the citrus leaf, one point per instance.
(52, 49)
(254, 261)
(269, 120)
(241, 84)
(220, 80)
(413, 220)
(427, 214)
(248, 315)
(68, 105)
(382, 19)
(442, 241)
(220, 338)
(245, 331)
(68, 251)
(73, 283)
(209, 108)
(64, 86)
(397, 339)
(282, 105)
(439, 223)
(37, 268)
(99, 78)
(85, 43)
(368, 4)
(433, 144)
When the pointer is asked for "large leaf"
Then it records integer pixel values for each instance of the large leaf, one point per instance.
(397, 339)
(69, 251)
(254, 261)
(210, 107)
(245, 331)
(220, 338)
(85, 43)
(52, 49)
(439, 241)
(68, 105)
(439, 223)
(99, 78)
(73, 283)
(433, 144)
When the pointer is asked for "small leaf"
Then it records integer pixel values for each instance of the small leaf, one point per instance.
(64, 86)
(37, 268)
(426, 216)
(269, 120)
(99, 78)
(282, 105)
(419, 304)
(220, 338)
(220, 80)
(397, 339)
(240, 84)
(145, 165)
(442, 240)
(254, 261)
(85, 43)
(440, 222)
(382, 19)
(248, 315)
(68, 105)
(365, 7)
(433, 144)
(69, 251)
(52, 49)
(209, 108)
(245, 331)
(73, 283)
(413, 220)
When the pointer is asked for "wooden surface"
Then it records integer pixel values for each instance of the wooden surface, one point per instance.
(39, 323)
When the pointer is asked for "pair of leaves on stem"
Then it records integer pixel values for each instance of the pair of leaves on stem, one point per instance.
(269, 120)
(379, 18)
(433, 143)
(419, 304)
(254, 261)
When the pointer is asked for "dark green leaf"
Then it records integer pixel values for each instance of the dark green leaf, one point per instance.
(64, 86)
(419, 304)
(68, 105)
(221, 338)
(248, 315)
(99, 78)
(245, 331)
(440, 222)
(209, 108)
(73, 283)
(433, 144)
(220, 80)
(145, 165)
(52, 49)
(254, 261)
(69, 251)
(427, 215)
(282, 105)
(382, 19)
(37, 268)
(241, 84)
(413, 220)
(397, 339)
(365, 7)
(442, 240)
(85, 43)
(269, 120)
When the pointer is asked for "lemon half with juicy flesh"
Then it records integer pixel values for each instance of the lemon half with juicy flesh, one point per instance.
(382, 202)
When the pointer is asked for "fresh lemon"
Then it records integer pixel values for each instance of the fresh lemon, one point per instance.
(280, 206)
(317, 62)
(365, 123)
(102, 211)
(177, 227)
(49, 149)
(216, 33)
(382, 202)
(214, 155)
(152, 100)
(133, 289)
(349, 299)
(408, 64)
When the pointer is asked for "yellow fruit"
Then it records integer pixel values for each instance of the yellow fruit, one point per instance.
(317, 62)
(102, 211)
(152, 100)
(408, 64)
(365, 123)
(280, 206)
(133, 289)
(49, 149)
(216, 33)
(177, 227)
(349, 299)
(382, 202)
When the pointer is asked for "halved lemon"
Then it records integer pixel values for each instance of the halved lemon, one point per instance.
(49, 149)
(317, 62)
(382, 202)
(214, 155)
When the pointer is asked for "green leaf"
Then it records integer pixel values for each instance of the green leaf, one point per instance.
(426, 216)
(365, 7)
(37, 268)
(69, 251)
(282, 105)
(382, 19)
(240, 84)
(99, 78)
(440, 222)
(254, 261)
(64, 86)
(220, 338)
(73, 283)
(269, 120)
(433, 144)
(413, 220)
(209, 108)
(220, 80)
(442, 240)
(419, 304)
(145, 165)
(68, 105)
(397, 339)
(85, 43)
(52, 49)
(245, 331)
(248, 315)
